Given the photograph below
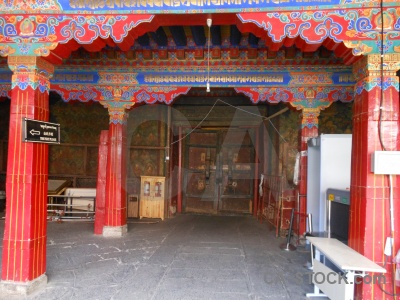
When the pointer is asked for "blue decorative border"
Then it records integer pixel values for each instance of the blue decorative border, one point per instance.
(184, 78)
(188, 6)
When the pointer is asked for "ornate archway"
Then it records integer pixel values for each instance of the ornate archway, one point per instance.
(37, 36)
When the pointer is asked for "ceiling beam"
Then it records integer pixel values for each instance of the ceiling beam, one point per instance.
(179, 36)
(144, 40)
(198, 34)
(216, 35)
(236, 36)
(253, 40)
(160, 37)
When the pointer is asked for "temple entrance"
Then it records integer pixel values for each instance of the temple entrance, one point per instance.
(218, 177)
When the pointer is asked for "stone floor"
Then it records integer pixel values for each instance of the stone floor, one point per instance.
(186, 257)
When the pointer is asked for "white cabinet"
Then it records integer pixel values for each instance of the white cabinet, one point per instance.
(152, 197)
(329, 166)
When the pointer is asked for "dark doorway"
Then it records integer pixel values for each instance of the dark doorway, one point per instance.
(219, 171)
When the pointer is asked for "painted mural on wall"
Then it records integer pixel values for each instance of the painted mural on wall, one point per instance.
(336, 119)
(66, 160)
(4, 118)
(144, 162)
(81, 124)
(288, 128)
(4, 121)
(146, 139)
(147, 133)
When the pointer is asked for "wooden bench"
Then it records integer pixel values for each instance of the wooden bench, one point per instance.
(353, 264)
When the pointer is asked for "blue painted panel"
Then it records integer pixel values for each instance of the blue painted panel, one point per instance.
(343, 78)
(185, 78)
(5, 76)
(186, 5)
(74, 77)
(228, 79)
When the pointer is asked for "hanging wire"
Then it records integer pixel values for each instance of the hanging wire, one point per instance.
(264, 118)
(197, 126)
(238, 108)
(382, 78)
(389, 176)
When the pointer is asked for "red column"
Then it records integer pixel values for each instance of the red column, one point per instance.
(180, 170)
(101, 183)
(256, 171)
(308, 129)
(115, 204)
(24, 244)
(369, 193)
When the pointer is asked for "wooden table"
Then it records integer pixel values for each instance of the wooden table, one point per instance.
(353, 264)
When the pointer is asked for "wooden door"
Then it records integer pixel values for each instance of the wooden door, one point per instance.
(219, 172)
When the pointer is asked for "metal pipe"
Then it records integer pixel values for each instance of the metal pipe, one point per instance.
(288, 246)
(290, 227)
(391, 207)
(312, 256)
(310, 225)
(329, 218)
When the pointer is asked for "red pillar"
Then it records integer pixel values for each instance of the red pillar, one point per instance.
(369, 193)
(101, 183)
(116, 197)
(256, 171)
(308, 129)
(24, 244)
(180, 170)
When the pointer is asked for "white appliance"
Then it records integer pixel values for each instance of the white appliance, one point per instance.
(329, 166)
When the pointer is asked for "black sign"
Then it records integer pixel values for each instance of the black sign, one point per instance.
(40, 132)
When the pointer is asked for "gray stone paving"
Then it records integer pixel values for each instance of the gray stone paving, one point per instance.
(186, 257)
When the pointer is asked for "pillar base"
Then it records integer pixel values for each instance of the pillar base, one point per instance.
(23, 288)
(115, 231)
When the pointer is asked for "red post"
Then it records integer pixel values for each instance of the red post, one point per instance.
(101, 183)
(369, 193)
(24, 244)
(180, 150)
(308, 129)
(116, 196)
(256, 179)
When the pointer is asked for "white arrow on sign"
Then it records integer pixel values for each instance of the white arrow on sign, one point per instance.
(34, 132)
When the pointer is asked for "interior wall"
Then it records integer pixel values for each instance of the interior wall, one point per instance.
(336, 119)
(281, 148)
(81, 124)
(280, 141)
(147, 140)
(4, 121)
(76, 158)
